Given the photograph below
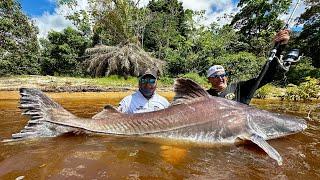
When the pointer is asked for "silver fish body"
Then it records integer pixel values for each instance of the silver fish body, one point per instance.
(194, 116)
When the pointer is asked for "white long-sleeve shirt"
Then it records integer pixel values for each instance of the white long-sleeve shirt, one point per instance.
(137, 103)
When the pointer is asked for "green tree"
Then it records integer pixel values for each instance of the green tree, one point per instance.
(300, 71)
(309, 39)
(18, 41)
(81, 20)
(111, 22)
(240, 66)
(196, 52)
(167, 26)
(258, 21)
(62, 51)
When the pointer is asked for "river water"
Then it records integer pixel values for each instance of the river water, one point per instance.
(107, 157)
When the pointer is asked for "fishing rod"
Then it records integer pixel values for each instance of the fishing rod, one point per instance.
(271, 57)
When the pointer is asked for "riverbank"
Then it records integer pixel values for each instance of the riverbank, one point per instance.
(74, 84)
(56, 84)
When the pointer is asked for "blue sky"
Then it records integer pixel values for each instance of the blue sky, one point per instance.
(48, 16)
(35, 8)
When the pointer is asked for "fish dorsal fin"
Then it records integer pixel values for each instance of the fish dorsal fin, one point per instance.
(107, 111)
(187, 91)
(110, 109)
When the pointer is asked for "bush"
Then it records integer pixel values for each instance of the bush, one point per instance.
(116, 80)
(263, 92)
(268, 90)
(166, 81)
(300, 71)
(197, 78)
(61, 51)
(5, 67)
(175, 63)
(305, 91)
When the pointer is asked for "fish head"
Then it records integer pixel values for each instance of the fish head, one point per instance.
(275, 125)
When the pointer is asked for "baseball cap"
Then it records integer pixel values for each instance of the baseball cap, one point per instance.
(215, 70)
(151, 72)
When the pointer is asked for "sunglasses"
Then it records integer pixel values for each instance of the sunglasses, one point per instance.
(149, 81)
(219, 76)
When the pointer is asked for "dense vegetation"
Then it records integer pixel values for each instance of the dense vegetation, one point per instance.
(163, 29)
(19, 50)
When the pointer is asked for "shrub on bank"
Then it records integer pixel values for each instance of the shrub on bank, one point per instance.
(269, 90)
(197, 78)
(165, 81)
(305, 91)
(301, 70)
(116, 80)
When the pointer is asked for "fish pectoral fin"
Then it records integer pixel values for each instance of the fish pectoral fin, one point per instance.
(258, 140)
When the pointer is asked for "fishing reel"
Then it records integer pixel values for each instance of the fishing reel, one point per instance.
(290, 58)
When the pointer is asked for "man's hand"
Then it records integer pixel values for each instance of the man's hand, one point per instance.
(282, 37)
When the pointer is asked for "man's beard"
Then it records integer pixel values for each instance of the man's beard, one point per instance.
(148, 93)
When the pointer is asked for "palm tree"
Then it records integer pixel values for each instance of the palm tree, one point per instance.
(128, 59)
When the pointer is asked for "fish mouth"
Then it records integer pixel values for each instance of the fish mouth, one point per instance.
(303, 125)
(299, 125)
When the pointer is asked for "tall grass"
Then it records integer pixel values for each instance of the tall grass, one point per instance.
(115, 80)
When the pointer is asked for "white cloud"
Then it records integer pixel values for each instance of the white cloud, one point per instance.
(65, 10)
(207, 5)
(48, 22)
(215, 9)
(57, 21)
(142, 3)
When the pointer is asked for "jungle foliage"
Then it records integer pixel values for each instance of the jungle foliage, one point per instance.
(19, 49)
(165, 30)
(258, 22)
(309, 38)
(306, 90)
(61, 51)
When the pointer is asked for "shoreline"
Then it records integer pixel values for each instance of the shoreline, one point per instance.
(14, 95)
(57, 84)
(74, 89)
(71, 84)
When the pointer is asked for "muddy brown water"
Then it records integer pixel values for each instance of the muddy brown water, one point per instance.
(108, 157)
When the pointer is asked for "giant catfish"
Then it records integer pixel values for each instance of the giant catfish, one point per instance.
(194, 116)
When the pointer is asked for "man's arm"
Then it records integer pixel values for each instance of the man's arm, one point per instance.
(273, 72)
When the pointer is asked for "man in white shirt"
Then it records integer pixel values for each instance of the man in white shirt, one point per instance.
(145, 99)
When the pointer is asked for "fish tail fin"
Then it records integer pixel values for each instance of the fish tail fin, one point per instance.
(258, 140)
(41, 109)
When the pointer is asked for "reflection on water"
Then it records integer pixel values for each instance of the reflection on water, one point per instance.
(173, 155)
(107, 157)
